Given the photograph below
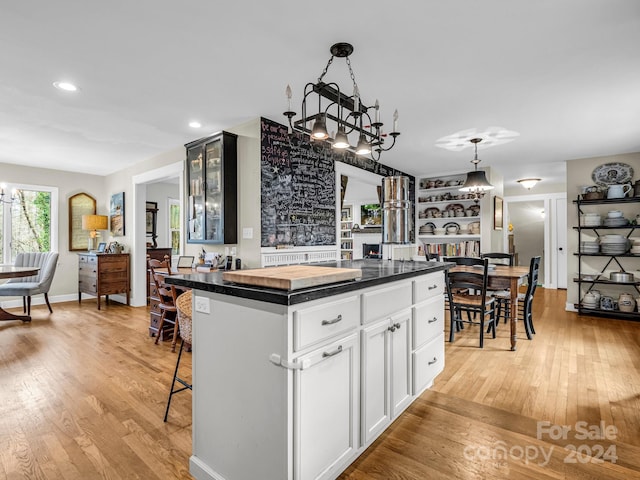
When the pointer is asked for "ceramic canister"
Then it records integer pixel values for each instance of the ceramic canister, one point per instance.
(626, 303)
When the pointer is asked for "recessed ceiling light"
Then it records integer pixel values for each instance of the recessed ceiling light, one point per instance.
(66, 86)
(195, 124)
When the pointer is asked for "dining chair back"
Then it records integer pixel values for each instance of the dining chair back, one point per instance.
(500, 258)
(525, 302)
(25, 287)
(467, 293)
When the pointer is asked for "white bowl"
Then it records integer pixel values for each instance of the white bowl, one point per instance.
(439, 231)
(614, 214)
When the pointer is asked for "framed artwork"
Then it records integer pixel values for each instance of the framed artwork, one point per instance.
(117, 214)
(79, 204)
(101, 247)
(498, 215)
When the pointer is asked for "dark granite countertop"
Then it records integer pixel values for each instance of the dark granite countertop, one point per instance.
(374, 272)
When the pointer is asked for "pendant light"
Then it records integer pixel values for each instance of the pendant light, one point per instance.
(476, 183)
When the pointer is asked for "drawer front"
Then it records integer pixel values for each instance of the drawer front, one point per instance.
(428, 320)
(154, 305)
(316, 324)
(153, 291)
(382, 302)
(428, 362)
(110, 285)
(87, 285)
(428, 286)
(87, 269)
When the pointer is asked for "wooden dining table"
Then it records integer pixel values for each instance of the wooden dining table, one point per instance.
(9, 271)
(503, 277)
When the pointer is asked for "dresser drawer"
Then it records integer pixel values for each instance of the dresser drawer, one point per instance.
(87, 284)
(428, 362)
(385, 301)
(428, 286)
(316, 324)
(428, 320)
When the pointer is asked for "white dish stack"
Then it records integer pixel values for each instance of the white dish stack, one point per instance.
(614, 244)
(590, 220)
(615, 219)
(589, 247)
(635, 247)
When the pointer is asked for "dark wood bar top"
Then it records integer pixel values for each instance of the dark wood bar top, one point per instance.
(374, 272)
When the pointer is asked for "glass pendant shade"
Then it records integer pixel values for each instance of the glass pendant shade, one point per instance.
(476, 182)
(341, 140)
(319, 130)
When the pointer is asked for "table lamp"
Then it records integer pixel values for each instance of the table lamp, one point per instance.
(93, 223)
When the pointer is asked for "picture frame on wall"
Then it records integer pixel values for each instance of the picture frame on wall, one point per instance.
(117, 214)
(498, 213)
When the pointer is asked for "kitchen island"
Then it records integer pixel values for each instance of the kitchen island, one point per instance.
(295, 385)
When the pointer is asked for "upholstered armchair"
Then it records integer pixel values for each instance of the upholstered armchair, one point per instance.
(25, 287)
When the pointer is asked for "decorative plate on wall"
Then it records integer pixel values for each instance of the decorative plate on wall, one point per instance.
(612, 173)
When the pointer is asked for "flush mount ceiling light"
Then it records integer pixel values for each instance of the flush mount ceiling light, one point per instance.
(528, 183)
(66, 86)
(490, 136)
(195, 124)
(346, 114)
(476, 183)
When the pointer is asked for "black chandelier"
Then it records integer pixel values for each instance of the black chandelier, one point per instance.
(476, 183)
(347, 113)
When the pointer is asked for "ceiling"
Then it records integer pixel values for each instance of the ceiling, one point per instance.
(564, 75)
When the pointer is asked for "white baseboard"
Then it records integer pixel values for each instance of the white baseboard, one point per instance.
(69, 297)
(569, 307)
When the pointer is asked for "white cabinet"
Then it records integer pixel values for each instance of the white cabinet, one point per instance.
(297, 392)
(428, 331)
(325, 409)
(386, 373)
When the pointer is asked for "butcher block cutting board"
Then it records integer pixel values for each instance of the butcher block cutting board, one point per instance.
(292, 277)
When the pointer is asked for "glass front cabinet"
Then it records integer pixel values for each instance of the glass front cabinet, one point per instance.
(211, 189)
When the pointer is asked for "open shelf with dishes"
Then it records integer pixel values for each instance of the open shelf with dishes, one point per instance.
(605, 243)
(448, 221)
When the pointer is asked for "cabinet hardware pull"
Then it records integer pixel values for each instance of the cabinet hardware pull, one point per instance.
(392, 328)
(331, 354)
(397, 325)
(432, 287)
(432, 362)
(434, 319)
(331, 322)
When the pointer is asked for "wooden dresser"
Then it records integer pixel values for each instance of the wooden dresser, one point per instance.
(103, 274)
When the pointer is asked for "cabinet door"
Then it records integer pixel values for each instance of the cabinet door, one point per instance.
(400, 339)
(213, 188)
(326, 413)
(376, 411)
(195, 190)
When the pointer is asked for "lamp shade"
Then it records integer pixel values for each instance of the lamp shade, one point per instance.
(95, 222)
(476, 181)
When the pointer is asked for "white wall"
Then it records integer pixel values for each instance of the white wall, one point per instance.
(528, 231)
(65, 282)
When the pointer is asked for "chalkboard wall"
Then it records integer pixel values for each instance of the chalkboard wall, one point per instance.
(298, 197)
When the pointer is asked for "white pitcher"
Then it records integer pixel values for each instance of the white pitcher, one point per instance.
(618, 191)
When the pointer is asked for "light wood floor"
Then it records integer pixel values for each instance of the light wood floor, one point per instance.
(82, 396)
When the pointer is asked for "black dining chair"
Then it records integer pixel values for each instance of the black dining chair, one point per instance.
(525, 300)
(503, 297)
(467, 292)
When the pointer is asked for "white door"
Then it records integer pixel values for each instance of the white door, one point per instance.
(561, 241)
(376, 412)
(326, 409)
(400, 339)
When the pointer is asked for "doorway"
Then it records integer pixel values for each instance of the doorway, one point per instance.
(139, 250)
(542, 219)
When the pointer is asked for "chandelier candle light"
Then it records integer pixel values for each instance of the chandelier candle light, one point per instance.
(347, 113)
(2, 195)
(93, 223)
(476, 183)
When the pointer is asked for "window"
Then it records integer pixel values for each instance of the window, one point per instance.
(174, 225)
(30, 222)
